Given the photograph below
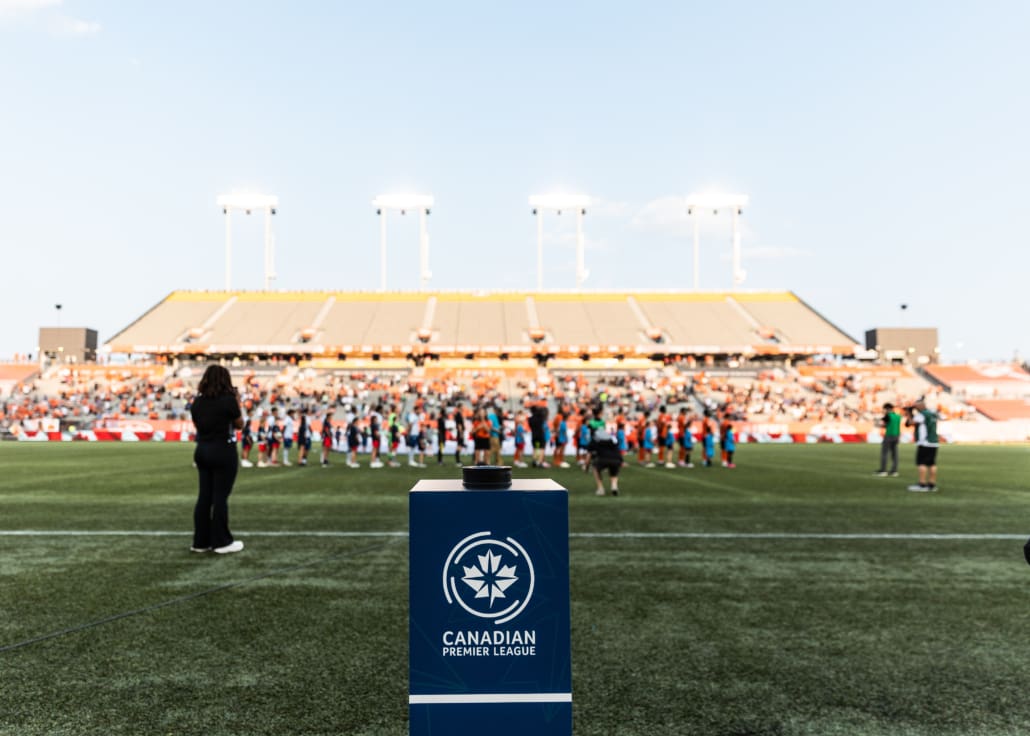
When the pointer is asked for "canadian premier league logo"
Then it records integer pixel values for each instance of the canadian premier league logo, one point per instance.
(490, 578)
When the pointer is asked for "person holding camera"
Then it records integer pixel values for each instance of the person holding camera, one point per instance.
(605, 455)
(891, 422)
(925, 422)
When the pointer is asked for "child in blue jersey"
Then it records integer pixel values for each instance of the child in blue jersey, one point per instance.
(687, 446)
(561, 442)
(648, 444)
(620, 438)
(520, 441)
(582, 454)
(670, 447)
(729, 445)
(708, 439)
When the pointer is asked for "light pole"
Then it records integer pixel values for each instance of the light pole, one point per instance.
(248, 202)
(404, 202)
(556, 203)
(696, 203)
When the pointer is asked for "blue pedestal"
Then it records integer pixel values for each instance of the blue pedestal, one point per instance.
(489, 610)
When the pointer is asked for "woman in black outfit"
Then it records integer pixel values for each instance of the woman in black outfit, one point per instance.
(216, 415)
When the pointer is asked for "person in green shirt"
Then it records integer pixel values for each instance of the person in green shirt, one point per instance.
(889, 444)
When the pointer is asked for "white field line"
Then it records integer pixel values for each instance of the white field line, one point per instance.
(476, 698)
(573, 535)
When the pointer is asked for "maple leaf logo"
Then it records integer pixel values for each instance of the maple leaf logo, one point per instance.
(489, 579)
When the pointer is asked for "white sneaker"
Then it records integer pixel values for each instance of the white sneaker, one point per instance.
(670, 465)
(649, 465)
(881, 474)
(521, 464)
(229, 548)
(599, 492)
(287, 462)
(375, 464)
(262, 465)
(353, 465)
(246, 464)
(564, 465)
(690, 465)
(918, 489)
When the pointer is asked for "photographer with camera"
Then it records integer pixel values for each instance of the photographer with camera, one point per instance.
(605, 455)
(925, 422)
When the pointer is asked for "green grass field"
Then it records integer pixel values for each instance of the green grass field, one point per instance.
(306, 634)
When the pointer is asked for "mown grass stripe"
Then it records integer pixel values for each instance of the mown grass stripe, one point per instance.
(187, 598)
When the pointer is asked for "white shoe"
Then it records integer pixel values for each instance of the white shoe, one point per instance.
(229, 548)
(375, 464)
(564, 465)
(262, 465)
(353, 465)
(287, 462)
(521, 464)
(670, 465)
(200, 549)
(918, 489)
(649, 465)
(881, 474)
(246, 464)
(599, 492)
(690, 465)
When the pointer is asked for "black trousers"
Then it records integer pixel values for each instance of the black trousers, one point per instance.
(217, 464)
(889, 448)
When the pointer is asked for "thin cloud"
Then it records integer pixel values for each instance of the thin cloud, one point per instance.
(772, 253)
(65, 25)
(9, 8)
(666, 214)
(46, 15)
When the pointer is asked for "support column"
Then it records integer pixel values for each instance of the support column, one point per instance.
(581, 270)
(738, 272)
(382, 250)
(228, 250)
(539, 250)
(269, 250)
(423, 250)
(697, 252)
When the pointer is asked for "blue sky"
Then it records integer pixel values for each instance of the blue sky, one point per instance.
(884, 147)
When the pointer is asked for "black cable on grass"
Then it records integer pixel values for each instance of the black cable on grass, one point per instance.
(190, 597)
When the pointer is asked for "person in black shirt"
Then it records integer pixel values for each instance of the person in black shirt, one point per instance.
(216, 416)
(459, 432)
(605, 455)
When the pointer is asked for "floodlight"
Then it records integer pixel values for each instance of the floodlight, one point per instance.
(403, 201)
(248, 201)
(716, 201)
(559, 201)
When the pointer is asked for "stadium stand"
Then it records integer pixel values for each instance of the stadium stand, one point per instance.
(998, 391)
(481, 324)
(1001, 410)
(1001, 381)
